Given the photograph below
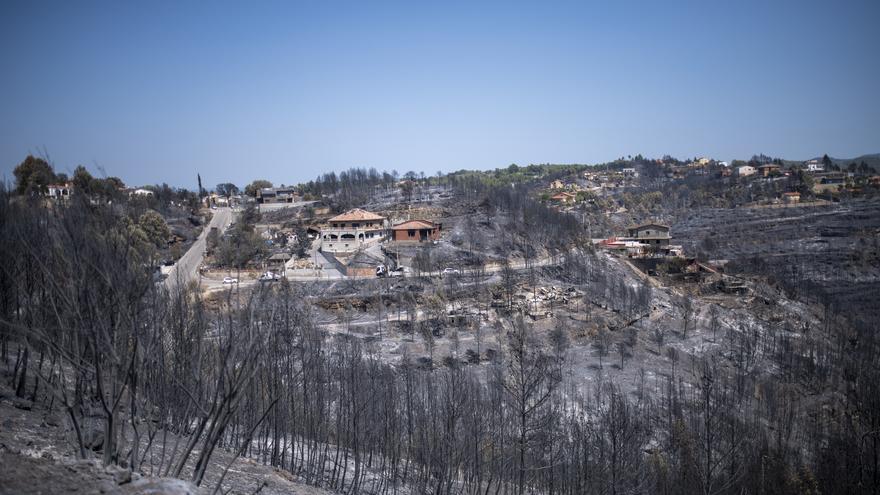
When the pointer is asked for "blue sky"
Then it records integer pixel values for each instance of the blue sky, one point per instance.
(160, 91)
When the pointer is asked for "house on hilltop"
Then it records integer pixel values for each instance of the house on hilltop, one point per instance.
(815, 165)
(745, 170)
(59, 191)
(277, 195)
(769, 169)
(140, 192)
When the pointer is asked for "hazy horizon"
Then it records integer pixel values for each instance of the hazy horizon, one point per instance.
(160, 92)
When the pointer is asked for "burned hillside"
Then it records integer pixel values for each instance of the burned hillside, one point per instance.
(828, 254)
(505, 332)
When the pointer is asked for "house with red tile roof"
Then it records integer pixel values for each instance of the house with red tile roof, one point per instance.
(415, 231)
(352, 230)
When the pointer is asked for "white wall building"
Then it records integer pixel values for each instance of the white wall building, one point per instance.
(348, 232)
(745, 171)
(815, 166)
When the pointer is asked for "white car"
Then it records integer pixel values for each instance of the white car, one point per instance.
(451, 271)
(229, 280)
(270, 277)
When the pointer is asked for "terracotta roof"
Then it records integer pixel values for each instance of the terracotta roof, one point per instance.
(414, 224)
(355, 215)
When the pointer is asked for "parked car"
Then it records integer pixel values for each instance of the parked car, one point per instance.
(451, 271)
(229, 280)
(269, 277)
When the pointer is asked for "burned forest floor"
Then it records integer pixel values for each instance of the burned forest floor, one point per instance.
(38, 456)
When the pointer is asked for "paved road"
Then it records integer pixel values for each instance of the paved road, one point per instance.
(330, 273)
(187, 267)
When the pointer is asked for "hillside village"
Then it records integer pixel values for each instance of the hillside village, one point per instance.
(439, 248)
(609, 268)
(609, 201)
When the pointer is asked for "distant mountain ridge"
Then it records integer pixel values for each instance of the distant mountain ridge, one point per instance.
(872, 159)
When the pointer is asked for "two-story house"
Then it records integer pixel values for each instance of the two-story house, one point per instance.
(352, 230)
(652, 234)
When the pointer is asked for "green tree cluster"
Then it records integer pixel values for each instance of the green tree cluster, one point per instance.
(155, 228)
(227, 189)
(241, 244)
(33, 176)
(107, 189)
(252, 188)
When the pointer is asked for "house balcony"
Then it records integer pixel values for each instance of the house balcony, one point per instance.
(348, 239)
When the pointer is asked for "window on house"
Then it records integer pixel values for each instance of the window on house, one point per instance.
(411, 233)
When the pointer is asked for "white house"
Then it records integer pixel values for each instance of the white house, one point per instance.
(815, 165)
(348, 232)
(745, 171)
(59, 191)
